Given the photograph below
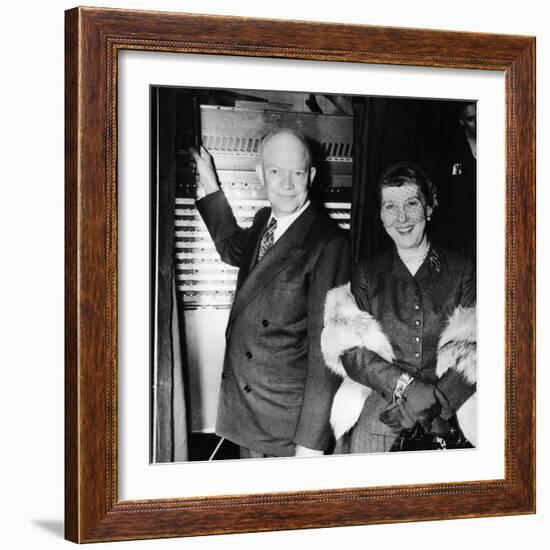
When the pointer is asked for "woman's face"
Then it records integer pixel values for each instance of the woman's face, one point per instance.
(403, 214)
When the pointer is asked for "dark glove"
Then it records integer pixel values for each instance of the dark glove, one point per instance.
(368, 368)
(421, 402)
(456, 389)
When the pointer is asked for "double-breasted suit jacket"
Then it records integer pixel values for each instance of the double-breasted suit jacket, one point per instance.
(276, 391)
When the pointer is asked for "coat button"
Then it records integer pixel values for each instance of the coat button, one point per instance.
(224, 375)
(417, 339)
(247, 389)
(265, 323)
(417, 323)
(417, 307)
(417, 355)
(248, 355)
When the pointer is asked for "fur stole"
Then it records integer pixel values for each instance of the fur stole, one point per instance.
(346, 326)
(457, 350)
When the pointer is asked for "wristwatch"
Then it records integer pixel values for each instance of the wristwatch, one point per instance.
(403, 381)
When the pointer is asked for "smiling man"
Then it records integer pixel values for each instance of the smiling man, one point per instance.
(276, 392)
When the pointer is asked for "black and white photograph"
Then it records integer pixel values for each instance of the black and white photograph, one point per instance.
(313, 274)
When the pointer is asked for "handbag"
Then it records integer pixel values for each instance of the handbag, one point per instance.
(418, 439)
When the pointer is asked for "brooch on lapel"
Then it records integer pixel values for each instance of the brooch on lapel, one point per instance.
(435, 260)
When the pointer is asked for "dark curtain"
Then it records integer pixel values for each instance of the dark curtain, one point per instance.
(387, 130)
(168, 392)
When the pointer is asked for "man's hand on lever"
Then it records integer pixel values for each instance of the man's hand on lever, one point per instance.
(205, 169)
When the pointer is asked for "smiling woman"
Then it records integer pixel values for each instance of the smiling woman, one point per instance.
(407, 199)
(424, 297)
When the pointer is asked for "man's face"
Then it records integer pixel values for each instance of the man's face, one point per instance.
(403, 213)
(285, 173)
(468, 120)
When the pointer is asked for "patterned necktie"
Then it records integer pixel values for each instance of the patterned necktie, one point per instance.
(267, 239)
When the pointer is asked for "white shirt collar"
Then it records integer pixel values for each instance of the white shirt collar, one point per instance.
(285, 222)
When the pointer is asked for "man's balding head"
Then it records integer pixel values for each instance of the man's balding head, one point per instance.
(298, 137)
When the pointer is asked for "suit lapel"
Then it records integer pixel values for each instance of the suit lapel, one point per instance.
(252, 250)
(285, 251)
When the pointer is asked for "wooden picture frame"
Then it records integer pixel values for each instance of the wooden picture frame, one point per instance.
(93, 511)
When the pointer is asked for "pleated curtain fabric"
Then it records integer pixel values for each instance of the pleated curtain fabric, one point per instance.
(170, 430)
